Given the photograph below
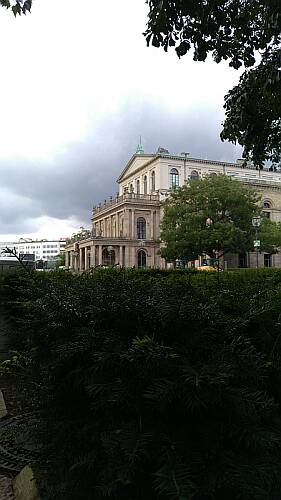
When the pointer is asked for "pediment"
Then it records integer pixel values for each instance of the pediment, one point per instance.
(134, 164)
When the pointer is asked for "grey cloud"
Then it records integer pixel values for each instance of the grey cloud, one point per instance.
(85, 173)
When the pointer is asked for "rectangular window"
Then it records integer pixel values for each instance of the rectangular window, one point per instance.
(267, 260)
(242, 260)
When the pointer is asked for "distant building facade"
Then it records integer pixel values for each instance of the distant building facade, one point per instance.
(126, 229)
(41, 249)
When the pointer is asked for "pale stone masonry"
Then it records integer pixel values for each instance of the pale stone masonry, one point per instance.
(126, 229)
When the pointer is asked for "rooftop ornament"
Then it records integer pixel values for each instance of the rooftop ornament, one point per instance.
(162, 151)
(140, 150)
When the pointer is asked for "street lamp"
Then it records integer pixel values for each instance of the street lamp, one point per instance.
(256, 222)
(184, 165)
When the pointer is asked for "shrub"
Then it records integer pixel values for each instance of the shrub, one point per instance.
(154, 385)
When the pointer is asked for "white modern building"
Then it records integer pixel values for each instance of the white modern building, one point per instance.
(41, 249)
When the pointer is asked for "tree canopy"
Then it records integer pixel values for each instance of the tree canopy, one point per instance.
(82, 234)
(241, 32)
(18, 7)
(213, 216)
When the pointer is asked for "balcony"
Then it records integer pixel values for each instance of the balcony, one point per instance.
(126, 197)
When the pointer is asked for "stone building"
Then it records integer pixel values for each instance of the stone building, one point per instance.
(126, 229)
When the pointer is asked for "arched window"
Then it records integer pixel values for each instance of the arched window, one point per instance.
(141, 258)
(266, 204)
(145, 184)
(152, 181)
(174, 178)
(108, 257)
(138, 187)
(141, 228)
(131, 188)
(194, 175)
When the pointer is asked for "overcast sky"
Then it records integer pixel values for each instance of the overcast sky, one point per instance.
(78, 86)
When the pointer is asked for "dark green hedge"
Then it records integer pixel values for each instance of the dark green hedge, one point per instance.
(154, 384)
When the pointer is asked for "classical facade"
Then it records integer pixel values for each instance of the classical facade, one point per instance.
(126, 229)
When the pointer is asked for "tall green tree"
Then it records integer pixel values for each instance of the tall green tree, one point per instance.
(237, 31)
(213, 216)
(18, 7)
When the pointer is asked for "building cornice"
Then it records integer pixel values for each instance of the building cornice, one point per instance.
(188, 160)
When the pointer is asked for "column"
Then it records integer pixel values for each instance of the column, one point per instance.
(126, 223)
(100, 255)
(81, 259)
(118, 224)
(93, 256)
(86, 259)
(71, 260)
(152, 253)
(133, 224)
(121, 255)
(66, 259)
(126, 263)
(132, 257)
(151, 224)
(157, 234)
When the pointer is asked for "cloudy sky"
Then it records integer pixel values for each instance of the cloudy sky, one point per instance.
(78, 86)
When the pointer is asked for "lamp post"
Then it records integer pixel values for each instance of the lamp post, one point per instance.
(256, 222)
(184, 165)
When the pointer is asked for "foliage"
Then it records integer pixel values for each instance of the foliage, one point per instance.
(80, 235)
(154, 385)
(270, 236)
(18, 7)
(212, 216)
(237, 31)
(60, 259)
(253, 111)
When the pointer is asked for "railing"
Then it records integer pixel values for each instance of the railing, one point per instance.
(136, 197)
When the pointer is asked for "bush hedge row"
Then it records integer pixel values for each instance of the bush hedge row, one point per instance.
(153, 384)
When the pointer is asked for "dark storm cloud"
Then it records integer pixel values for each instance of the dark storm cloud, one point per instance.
(85, 172)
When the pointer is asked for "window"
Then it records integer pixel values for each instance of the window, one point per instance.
(141, 228)
(141, 258)
(194, 175)
(138, 187)
(145, 184)
(266, 204)
(266, 215)
(108, 257)
(267, 260)
(131, 188)
(242, 260)
(152, 181)
(174, 178)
